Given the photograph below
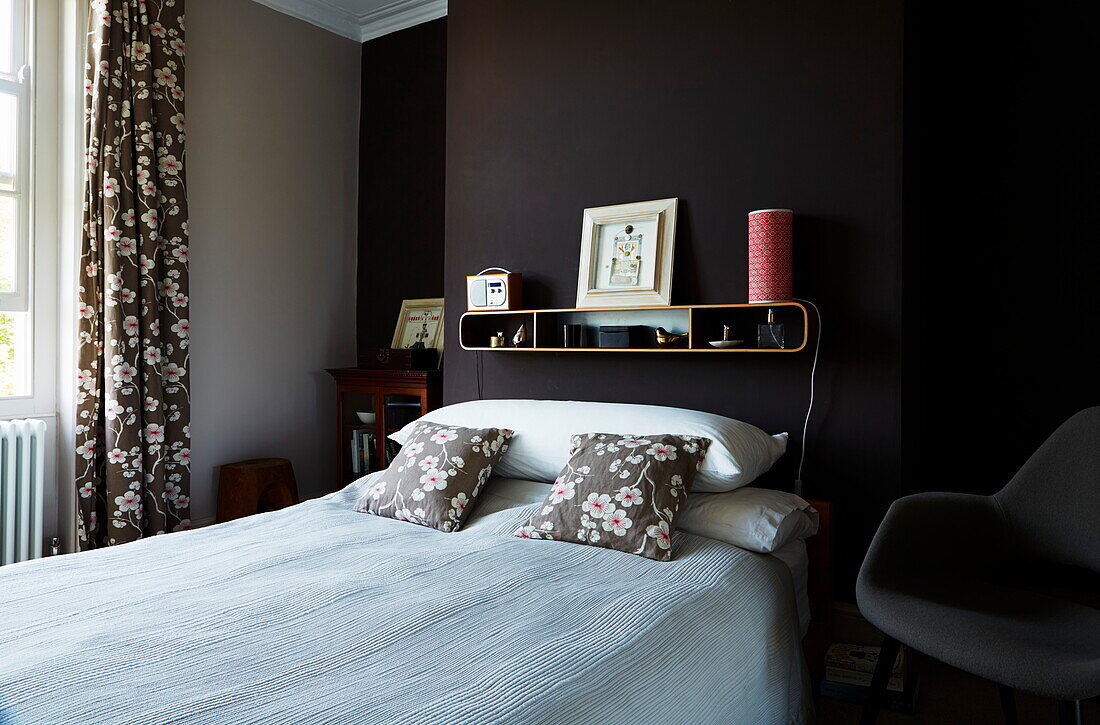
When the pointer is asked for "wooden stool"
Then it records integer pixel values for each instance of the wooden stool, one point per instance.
(255, 486)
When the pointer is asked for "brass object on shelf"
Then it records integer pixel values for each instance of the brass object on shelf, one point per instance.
(670, 339)
(497, 340)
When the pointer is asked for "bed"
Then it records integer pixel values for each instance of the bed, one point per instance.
(318, 614)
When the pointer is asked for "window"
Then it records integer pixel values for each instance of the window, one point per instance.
(15, 247)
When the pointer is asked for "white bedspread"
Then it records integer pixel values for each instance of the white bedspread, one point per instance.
(317, 614)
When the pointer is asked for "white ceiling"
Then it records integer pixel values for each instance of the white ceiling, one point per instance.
(361, 19)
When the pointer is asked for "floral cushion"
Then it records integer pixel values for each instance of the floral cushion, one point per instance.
(437, 474)
(620, 492)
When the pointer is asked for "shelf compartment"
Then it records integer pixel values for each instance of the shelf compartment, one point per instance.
(702, 322)
(475, 329)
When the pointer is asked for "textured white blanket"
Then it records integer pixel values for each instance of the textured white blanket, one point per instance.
(317, 614)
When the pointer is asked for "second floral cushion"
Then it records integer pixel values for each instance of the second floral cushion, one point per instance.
(620, 492)
(437, 474)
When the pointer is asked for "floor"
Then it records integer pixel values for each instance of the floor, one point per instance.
(950, 696)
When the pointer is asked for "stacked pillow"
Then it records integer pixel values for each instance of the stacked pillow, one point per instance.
(739, 453)
(620, 492)
(615, 489)
(437, 475)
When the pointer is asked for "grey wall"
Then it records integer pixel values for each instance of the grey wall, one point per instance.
(273, 124)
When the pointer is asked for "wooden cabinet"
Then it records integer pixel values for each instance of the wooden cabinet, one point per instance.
(371, 404)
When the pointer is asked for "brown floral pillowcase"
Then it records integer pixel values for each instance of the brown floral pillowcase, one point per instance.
(437, 474)
(620, 492)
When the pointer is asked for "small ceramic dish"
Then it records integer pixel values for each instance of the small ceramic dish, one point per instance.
(726, 343)
(367, 418)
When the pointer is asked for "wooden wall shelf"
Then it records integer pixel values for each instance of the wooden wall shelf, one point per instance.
(701, 322)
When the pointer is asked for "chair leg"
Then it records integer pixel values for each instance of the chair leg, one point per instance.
(1069, 712)
(879, 680)
(1008, 704)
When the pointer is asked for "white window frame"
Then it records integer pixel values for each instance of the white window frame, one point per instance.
(40, 193)
(19, 84)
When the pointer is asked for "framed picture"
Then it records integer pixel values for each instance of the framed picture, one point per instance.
(626, 255)
(420, 324)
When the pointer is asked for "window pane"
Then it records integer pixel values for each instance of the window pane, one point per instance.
(9, 138)
(9, 231)
(13, 353)
(7, 24)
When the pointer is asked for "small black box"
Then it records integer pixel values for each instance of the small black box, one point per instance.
(622, 335)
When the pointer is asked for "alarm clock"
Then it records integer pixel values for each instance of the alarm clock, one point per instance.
(493, 290)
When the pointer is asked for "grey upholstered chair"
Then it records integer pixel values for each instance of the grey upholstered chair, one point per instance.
(1001, 586)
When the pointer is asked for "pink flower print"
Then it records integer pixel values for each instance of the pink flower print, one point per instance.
(154, 433)
(596, 505)
(165, 76)
(169, 165)
(662, 451)
(127, 246)
(173, 372)
(617, 522)
(182, 327)
(86, 490)
(128, 501)
(629, 496)
(660, 532)
(562, 491)
(433, 478)
(444, 436)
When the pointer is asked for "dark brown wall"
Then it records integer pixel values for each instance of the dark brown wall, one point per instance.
(1002, 174)
(401, 175)
(554, 107)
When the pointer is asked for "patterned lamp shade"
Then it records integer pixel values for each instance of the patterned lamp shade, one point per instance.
(770, 255)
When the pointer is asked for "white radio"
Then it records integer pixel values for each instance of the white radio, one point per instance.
(499, 290)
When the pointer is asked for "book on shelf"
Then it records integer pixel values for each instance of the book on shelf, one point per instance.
(851, 677)
(855, 664)
(363, 456)
(904, 701)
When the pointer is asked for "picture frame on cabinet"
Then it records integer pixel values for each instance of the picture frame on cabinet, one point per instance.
(420, 324)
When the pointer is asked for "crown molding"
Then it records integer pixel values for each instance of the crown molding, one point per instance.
(398, 16)
(367, 26)
(320, 13)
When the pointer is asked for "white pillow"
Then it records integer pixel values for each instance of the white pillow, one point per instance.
(756, 519)
(738, 453)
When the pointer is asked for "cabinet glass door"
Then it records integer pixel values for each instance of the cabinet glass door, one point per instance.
(359, 431)
(398, 410)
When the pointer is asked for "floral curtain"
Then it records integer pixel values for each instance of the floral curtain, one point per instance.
(133, 404)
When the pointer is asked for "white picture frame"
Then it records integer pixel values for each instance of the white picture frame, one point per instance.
(428, 314)
(627, 254)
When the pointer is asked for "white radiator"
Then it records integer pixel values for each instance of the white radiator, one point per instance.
(22, 487)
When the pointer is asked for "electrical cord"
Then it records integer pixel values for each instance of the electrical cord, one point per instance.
(478, 371)
(810, 407)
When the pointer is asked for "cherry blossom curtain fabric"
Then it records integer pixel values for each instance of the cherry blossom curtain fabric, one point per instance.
(133, 404)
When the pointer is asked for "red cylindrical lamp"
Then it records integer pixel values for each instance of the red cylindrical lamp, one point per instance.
(770, 260)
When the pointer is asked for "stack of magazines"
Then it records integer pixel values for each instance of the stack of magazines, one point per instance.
(848, 672)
